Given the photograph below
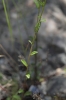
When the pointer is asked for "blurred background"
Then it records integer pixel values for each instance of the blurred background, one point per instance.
(51, 40)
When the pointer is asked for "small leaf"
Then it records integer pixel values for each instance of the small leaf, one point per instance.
(16, 97)
(27, 93)
(36, 3)
(20, 91)
(28, 76)
(33, 53)
(30, 42)
(24, 62)
(43, 20)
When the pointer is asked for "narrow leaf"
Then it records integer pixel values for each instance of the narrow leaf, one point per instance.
(33, 53)
(27, 93)
(24, 62)
(28, 76)
(43, 20)
(30, 42)
(7, 19)
(20, 91)
(36, 3)
(16, 97)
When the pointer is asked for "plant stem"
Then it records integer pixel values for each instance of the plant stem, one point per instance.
(35, 36)
(8, 21)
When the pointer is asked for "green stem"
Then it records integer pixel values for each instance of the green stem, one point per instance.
(34, 37)
(8, 21)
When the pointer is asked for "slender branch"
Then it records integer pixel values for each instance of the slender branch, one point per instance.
(35, 34)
